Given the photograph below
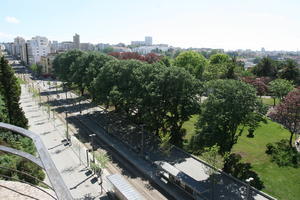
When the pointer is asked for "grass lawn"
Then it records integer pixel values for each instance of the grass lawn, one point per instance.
(190, 127)
(280, 182)
(269, 101)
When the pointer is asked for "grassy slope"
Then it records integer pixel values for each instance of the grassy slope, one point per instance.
(280, 182)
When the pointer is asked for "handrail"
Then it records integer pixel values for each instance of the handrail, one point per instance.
(61, 190)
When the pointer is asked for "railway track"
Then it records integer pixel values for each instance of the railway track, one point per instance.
(138, 183)
(144, 187)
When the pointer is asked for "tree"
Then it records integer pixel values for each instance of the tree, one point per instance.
(258, 83)
(287, 113)
(36, 69)
(108, 50)
(192, 62)
(62, 64)
(78, 71)
(279, 88)
(221, 66)
(176, 97)
(166, 61)
(265, 67)
(114, 83)
(230, 104)
(127, 56)
(102, 160)
(212, 157)
(85, 68)
(152, 58)
(290, 71)
(3, 110)
(10, 89)
(219, 58)
(98, 61)
(160, 97)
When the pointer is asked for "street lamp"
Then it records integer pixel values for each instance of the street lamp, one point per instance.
(142, 150)
(248, 187)
(67, 127)
(92, 142)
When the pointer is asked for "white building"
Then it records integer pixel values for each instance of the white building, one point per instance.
(149, 49)
(76, 41)
(148, 40)
(17, 46)
(54, 47)
(86, 47)
(66, 46)
(39, 46)
(101, 46)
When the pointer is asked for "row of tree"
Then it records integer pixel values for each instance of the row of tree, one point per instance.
(12, 113)
(10, 92)
(277, 88)
(287, 69)
(163, 95)
(160, 97)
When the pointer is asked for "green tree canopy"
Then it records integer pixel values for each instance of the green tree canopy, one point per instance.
(62, 64)
(86, 67)
(192, 62)
(290, 71)
(10, 89)
(230, 103)
(219, 58)
(265, 67)
(280, 87)
(287, 113)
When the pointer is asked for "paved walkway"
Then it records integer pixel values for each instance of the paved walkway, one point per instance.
(81, 182)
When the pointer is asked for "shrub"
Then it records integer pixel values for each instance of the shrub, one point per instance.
(240, 170)
(270, 148)
(283, 154)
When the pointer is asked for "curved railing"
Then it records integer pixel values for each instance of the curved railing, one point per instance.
(43, 160)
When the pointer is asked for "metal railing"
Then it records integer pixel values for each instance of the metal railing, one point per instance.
(61, 190)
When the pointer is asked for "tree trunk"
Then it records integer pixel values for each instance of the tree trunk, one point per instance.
(291, 139)
(274, 101)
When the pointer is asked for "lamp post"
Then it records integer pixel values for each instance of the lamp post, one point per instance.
(248, 187)
(142, 149)
(67, 127)
(40, 95)
(92, 143)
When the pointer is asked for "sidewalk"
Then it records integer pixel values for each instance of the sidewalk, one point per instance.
(78, 178)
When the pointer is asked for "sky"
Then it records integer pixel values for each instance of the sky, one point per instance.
(227, 24)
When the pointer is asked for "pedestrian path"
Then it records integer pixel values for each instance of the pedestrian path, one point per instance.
(80, 180)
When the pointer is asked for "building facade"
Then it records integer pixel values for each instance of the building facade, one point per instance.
(39, 46)
(76, 41)
(47, 63)
(148, 40)
(17, 46)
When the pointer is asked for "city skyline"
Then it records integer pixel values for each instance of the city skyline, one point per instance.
(229, 25)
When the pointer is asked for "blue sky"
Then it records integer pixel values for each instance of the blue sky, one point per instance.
(228, 24)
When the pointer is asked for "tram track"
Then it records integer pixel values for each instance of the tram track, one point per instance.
(137, 183)
(142, 186)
